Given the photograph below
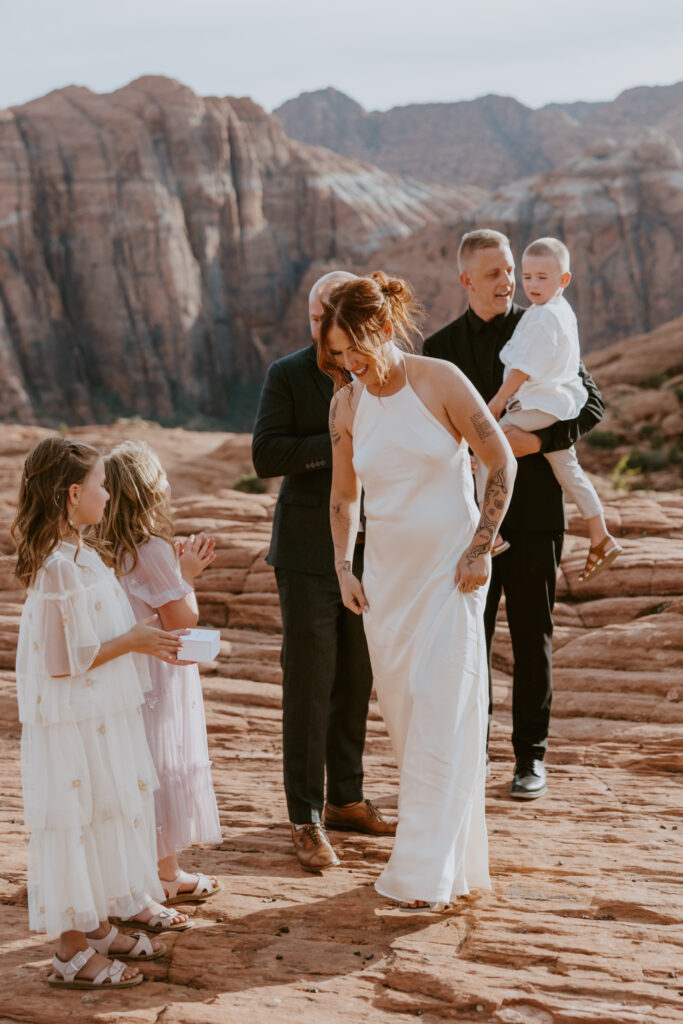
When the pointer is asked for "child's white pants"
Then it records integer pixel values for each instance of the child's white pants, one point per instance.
(564, 464)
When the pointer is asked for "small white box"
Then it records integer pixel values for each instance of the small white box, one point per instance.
(200, 645)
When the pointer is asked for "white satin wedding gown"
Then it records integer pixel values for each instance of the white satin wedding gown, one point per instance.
(426, 643)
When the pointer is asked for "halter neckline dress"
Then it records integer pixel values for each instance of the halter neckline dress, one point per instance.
(426, 643)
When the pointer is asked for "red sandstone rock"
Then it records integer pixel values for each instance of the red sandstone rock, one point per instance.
(488, 141)
(151, 242)
(623, 260)
(583, 925)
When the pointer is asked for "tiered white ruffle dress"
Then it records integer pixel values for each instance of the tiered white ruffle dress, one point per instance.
(186, 811)
(87, 773)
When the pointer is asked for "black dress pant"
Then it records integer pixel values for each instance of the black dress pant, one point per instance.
(326, 684)
(527, 573)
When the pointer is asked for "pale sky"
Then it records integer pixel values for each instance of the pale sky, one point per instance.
(383, 53)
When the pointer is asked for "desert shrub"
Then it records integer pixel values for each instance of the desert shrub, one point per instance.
(622, 474)
(250, 484)
(676, 452)
(655, 381)
(651, 431)
(605, 439)
(647, 461)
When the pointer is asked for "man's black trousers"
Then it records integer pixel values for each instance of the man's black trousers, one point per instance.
(526, 573)
(326, 684)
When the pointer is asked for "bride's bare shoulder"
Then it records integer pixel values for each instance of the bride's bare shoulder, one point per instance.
(433, 371)
(344, 403)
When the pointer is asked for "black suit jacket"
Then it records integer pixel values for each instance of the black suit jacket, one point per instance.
(292, 440)
(537, 500)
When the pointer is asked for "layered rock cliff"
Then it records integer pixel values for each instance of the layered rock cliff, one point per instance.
(620, 211)
(151, 241)
(488, 141)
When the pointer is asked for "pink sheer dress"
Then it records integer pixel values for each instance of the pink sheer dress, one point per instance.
(186, 811)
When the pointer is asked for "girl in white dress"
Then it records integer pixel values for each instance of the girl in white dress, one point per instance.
(138, 528)
(400, 428)
(87, 774)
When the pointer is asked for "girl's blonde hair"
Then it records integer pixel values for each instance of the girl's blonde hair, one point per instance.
(51, 467)
(138, 506)
(362, 308)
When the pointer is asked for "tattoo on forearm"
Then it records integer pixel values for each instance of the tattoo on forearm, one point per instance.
(492, 509)
(335, 436)
(342, 523)
(482, 425)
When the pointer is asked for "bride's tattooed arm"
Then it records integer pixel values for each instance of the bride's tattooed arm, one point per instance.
(493, 508)
(344, 504)
(491, 450)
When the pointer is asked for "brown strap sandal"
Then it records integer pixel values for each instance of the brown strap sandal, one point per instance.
(598, 559)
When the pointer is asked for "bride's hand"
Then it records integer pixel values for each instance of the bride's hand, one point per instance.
(474, 569)
(352, 593)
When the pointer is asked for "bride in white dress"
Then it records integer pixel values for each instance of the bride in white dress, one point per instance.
(400, 428)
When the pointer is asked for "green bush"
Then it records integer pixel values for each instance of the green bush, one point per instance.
(651, 431)
(250, 484)
(644, 461)
(603, 439)
(655, 381)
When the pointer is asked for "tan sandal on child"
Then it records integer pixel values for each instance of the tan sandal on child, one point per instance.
(110, 976)
(598, 559)
(202, 890)
(142, 950)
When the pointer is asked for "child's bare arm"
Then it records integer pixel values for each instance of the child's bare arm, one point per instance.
(142, 638)
(195, 554)
(508, 388)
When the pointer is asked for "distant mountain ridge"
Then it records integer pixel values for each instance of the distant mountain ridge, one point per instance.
(157, 248)
(619, 208)
(488, 141)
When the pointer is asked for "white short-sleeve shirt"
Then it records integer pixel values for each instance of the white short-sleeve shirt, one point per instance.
(545, 344)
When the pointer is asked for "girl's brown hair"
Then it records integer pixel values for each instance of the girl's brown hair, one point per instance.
(138, 506)
(51, 467)
(362, 308)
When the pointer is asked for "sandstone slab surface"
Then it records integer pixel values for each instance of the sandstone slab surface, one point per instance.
(584, 924)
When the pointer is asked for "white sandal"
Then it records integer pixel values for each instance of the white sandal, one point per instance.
(109, 977)
(160, 922)
(142, 950)
(202, 890)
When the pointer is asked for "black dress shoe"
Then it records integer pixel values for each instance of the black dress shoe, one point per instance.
(529, 780)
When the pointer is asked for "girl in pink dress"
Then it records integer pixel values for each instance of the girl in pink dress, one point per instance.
(158, 577)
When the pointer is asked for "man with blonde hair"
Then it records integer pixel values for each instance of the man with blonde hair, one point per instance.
(326, 675)
(535, 522)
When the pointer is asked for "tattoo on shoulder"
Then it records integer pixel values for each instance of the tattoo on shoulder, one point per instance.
(482, 425)
(335, 436)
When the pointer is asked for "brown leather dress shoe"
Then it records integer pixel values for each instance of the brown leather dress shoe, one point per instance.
(313, 848)
(362, 816)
